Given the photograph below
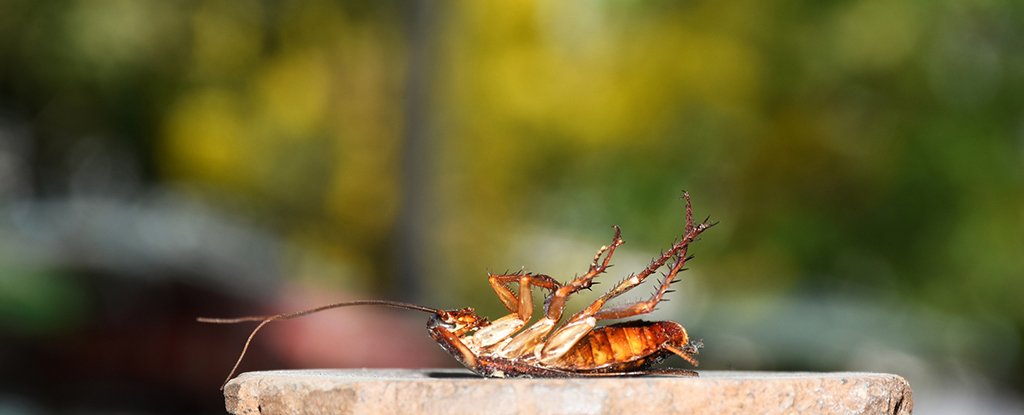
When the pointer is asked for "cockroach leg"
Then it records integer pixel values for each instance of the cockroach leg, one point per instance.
(566, 336)
(577, 347)
(563, 339)
(644, 307)
(525, 342)
(555, 303)
(678, 251)
(632, 373)
(521, 307)
(461, 352)
(671, 372)
(500, 285)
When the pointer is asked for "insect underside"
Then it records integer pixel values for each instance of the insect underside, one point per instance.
(576, 347)
(507, 347)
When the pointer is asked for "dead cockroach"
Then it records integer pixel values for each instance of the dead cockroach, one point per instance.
(576, 348)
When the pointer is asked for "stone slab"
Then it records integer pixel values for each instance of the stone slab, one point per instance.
(454, 391)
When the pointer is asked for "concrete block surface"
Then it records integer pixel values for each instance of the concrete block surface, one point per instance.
(455, 391)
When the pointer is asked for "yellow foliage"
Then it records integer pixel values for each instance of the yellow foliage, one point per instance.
(227, 39)
(204, 139)
(875, 34)
(293, 93)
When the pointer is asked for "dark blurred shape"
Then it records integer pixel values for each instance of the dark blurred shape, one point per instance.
(413, 228)
(99, 301)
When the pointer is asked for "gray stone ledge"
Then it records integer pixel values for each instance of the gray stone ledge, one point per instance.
(452, 391)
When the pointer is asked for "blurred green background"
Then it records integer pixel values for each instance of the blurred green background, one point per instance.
(163, 160)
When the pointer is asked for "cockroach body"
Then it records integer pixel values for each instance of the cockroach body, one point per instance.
(624, 349)
(577, 348)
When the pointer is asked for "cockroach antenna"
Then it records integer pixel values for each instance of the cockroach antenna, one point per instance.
(264, 320)
(551, 347)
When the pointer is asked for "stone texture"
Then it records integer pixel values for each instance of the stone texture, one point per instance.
(451, 391)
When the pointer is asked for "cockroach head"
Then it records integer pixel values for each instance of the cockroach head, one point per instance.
(456, 320)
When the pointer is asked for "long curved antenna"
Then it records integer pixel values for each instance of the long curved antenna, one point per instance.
(264, 320)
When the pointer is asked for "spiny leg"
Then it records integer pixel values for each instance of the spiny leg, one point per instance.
(583, 322)
(678, 251)
(526, 341)
(520, 306)
(555, 303)
(644, 307)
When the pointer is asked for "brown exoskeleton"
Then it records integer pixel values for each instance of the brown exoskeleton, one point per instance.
(576, 348)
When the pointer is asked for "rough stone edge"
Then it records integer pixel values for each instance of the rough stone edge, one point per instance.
(321, 392)
(904, 404)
